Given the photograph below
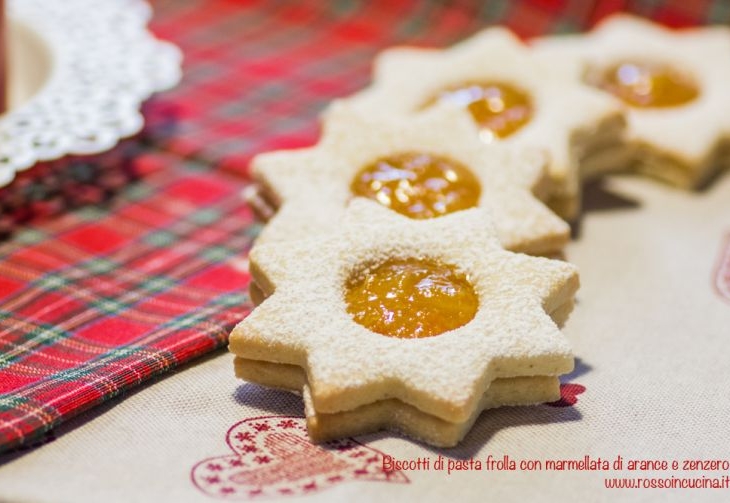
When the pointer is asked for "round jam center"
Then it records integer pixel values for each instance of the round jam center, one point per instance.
(411, 298)
(648, 85)
(499, 109)
(418, 185)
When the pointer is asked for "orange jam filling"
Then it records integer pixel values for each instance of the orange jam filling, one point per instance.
(648, 85)
(499, 109)
(411, 298)
(418, 185)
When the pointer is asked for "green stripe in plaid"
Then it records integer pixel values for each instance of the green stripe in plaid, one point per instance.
(97, 301)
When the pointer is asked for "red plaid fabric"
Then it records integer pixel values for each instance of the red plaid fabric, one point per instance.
(51, 188)
(102, 299)
(257, 72)
(108, 295)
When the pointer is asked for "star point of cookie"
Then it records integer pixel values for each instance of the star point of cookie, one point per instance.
(672, 85)
(494, 80)
(304, 321)
(425, 167)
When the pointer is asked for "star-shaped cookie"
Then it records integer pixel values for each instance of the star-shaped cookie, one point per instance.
(483, 77)
(673, 85)
(392, 414)
(304, 321)
(311, 187)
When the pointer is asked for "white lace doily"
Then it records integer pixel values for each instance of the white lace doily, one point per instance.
(103, 65)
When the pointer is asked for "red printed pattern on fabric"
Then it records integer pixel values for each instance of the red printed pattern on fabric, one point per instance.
(274, 457)
(568, 395)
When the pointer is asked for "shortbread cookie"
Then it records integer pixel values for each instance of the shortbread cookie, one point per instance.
(423, 167)
(507, 391)
(488, 321)
(559, 314)
(254, 197)
(494, 80)
(392, 414)
(673, 85)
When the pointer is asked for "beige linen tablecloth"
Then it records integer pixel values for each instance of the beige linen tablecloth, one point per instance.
(651, 332)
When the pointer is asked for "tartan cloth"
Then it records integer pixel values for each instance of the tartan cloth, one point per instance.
(101, 299)
(257, 73)
(53, 187)
(106, 296)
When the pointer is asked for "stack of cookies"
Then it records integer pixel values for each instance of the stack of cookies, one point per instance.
(402, 281)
